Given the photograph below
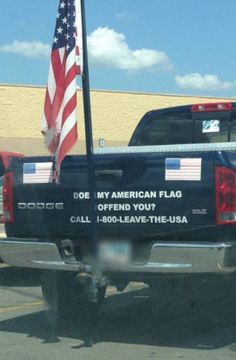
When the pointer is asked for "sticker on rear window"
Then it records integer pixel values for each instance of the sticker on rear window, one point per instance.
(211, 126)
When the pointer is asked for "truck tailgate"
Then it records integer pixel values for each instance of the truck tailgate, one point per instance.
(145, 196)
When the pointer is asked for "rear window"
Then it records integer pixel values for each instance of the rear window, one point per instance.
(186, 128)
(233, 128)
(165, 130)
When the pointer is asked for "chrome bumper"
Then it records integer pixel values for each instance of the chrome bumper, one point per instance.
(29, 254)
(163, 257)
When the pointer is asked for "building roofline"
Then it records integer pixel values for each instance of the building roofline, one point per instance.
(126, 92)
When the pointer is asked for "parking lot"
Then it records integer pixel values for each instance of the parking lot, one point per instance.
(184, 320)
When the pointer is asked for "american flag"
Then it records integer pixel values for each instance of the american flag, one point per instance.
(37, 173)
(59, 125)
(188, 169)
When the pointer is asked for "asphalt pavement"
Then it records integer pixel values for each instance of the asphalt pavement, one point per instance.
(194, 319)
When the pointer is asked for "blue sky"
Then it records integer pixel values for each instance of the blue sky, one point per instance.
(161, 46)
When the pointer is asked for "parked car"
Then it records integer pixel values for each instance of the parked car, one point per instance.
(1, 199)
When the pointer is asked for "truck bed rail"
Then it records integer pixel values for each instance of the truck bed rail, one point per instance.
(230, 146)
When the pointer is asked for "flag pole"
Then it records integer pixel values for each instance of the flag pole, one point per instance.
(88, 128)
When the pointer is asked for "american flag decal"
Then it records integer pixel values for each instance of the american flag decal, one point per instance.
(177, 169)
(37, 173)
(59, 124)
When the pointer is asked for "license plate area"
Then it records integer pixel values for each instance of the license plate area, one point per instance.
(114, 253)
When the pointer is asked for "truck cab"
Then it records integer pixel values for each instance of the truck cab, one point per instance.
(203, 123)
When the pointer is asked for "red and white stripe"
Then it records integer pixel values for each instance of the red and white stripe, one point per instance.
(59, 123)
(79, 41)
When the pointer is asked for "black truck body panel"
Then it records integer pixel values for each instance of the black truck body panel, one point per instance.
(135, 199)
(182, 209)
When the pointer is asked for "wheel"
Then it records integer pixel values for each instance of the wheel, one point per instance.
(65, 295)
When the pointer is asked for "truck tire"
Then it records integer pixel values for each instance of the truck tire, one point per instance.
(65, 295)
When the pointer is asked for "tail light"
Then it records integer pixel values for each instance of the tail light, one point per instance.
(225, 106)
(8, 213)
(225, 195)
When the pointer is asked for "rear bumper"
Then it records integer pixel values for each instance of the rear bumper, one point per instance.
(166, 257)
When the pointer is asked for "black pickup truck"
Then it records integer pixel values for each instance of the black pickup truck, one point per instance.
(165, 205)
